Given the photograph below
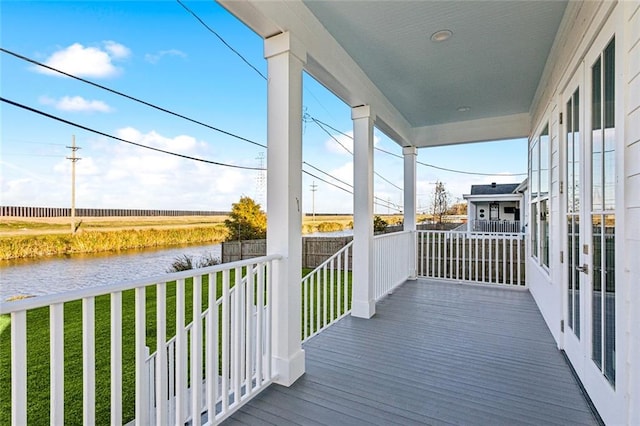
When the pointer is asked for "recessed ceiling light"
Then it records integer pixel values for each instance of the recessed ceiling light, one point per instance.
(464, 109)
(441, 35)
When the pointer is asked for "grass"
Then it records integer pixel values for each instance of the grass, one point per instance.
(13, 247)
(38, 384)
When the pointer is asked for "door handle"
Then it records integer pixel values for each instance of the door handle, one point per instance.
(584, 268)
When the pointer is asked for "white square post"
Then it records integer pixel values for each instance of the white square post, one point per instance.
(285, 61)
(410, 154)
(363, 303)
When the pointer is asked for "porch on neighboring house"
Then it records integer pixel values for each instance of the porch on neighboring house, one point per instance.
(497, 207)
(436, 352)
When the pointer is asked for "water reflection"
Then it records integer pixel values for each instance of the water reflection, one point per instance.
(61, 273)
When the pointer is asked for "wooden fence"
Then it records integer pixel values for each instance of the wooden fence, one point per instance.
(26, 211)
(315, 250)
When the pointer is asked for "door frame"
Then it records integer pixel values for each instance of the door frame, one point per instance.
(573, 346)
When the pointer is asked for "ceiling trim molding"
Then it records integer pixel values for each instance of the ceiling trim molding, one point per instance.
(487, 129)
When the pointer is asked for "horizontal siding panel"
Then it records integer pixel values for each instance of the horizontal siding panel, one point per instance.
(632, 189)
(634, 60)
(632, 134)
(632, 159)
(632, 228)
(634, 27)
(633, 91)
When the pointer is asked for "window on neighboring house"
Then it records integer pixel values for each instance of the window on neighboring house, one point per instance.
(539, 184)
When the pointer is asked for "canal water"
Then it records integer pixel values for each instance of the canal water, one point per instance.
(56, 274)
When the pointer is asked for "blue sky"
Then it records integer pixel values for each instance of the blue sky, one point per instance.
(158, 52)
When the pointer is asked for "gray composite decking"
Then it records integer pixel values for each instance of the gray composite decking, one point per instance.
(434, 353)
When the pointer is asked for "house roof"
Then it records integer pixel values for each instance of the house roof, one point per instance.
(494, 189)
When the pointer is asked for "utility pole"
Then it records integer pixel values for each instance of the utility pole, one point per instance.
(314, 188)
(260, 180)
(74, 159)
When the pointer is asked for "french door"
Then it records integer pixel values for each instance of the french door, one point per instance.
(576, 274)
(589, 201)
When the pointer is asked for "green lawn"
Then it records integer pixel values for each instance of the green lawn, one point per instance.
(38, 353)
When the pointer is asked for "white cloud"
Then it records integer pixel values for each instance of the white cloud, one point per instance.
(345, 174)
(88, 61)
(117, 50)
(76, 104)
(340, 143)
(155, 57)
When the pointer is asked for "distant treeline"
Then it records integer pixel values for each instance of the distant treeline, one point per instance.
(23, 211)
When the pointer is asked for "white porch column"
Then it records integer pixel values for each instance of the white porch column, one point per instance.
(363, 303)
(410, 154)
(471, 215)
(285, 60)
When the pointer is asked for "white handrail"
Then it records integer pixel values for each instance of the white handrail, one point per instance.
(163, 391)
(394, 260)
(70, 295)
(326, 293)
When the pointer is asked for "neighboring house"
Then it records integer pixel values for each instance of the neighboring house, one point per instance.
(496, 207)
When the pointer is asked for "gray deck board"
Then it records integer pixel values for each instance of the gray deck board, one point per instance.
(434, 353)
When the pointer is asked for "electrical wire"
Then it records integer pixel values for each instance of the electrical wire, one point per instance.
(80, 126)
(387, 204)
(317, 122)
(245, 60)
(418, 162)
(397, 206)
(124, 95)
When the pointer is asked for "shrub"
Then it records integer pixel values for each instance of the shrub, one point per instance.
(186, 262)
(330, 227)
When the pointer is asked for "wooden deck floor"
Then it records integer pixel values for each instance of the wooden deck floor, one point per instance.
(434, 353)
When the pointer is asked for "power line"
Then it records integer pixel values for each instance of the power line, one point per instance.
(388, 203)
(124, 95)
(397, 206)
(419, 162)
(325, 173)
(80, 126)
(470, 173)
(245, 60)
(348, 150)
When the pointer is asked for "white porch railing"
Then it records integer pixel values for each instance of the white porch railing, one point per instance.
(326, 293)
(478, 257)
(394, 260)
(210, 368)
(507, 226)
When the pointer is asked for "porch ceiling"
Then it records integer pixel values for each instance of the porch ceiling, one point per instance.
(492, 63)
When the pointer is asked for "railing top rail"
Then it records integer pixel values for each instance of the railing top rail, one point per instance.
(476, 233)
(71, 295)
(390, 234)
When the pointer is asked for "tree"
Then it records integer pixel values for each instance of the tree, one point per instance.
(441, 201)
(458, 209)
(246, 221)
(379, 224)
